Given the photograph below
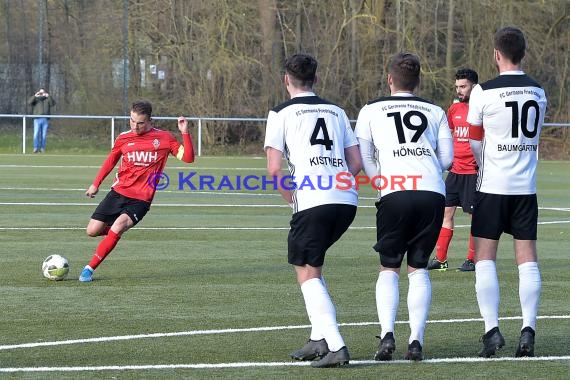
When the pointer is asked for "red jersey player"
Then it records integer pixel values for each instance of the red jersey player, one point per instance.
(462, 177)
(143, 151)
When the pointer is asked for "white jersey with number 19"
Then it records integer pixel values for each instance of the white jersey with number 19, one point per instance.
(405, 131)
(312, 133)
(511, 109)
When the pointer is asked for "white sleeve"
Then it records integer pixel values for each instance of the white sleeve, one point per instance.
(274, 132)
(367, 151)
(445, 153)
(475, 113)
(362, 128)
(477, 149)
(349, 136)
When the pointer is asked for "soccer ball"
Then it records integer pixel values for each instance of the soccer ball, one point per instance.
(55, 267)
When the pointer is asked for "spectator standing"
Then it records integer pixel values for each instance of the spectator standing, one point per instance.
(41, 104)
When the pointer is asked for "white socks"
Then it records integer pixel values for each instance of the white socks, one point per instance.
(322, 313)
(419, 301)
(529, 292)
(387, 300)
(487, 288)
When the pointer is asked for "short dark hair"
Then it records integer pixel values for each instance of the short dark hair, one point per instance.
(405, 71)
(302, 68)
(142, 107)
(511, 43)
(469, 74)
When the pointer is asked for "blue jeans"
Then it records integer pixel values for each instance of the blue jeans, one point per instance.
(40, 133)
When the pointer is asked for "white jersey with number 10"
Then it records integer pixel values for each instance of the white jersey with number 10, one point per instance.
(511, 110)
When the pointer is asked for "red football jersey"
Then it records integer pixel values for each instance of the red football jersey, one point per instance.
(463, 159)
(141, 156)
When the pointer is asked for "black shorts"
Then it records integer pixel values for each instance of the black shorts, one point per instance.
(494, 214)
(314, 230)
(115, 204)
(460, 191)
(408, 222)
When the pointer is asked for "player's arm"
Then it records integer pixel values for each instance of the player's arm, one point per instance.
(444, 153)
(353, 159)
(351, 148)
(186, 150)
(476, 133)
(367, 154)
(475, 121)
(106, 168)
(444, 149)
(274, 157)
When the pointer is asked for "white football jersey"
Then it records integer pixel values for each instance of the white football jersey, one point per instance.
(312, 133)
(405, 130)
(511, 109)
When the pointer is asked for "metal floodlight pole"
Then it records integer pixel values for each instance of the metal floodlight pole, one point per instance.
(41, 22)
(125, 57)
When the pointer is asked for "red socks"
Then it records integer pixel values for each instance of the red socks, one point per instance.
(471, 254)
(104, 248)
(445, 235)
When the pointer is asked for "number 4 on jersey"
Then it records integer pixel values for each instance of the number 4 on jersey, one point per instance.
(326, 141)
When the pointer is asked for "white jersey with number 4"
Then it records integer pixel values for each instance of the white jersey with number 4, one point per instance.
(405, 130)
(312, 133)
(511, 109)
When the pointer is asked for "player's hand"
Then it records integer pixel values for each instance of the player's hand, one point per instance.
(183, 124)
(92, 191)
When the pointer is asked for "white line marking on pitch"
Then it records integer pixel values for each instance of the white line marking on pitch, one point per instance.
(357, 228)
(243, 330)
(204, 204)
(272, 364)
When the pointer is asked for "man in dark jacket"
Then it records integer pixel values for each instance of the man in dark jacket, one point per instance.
(41, 104)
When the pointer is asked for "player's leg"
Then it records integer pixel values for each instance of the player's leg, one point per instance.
(443, 240)
(122, 224)
(418, 302)
(299, 237)
(387, 301)
(325, 342)
(395, 219)
(488, 296)
(310, 236)
(317, 345)
(391, 230)
(106, 245)
(430, 210)
(469, 182)
(123, 213)
(486, 228)
(338, 217)
(97, 228)
(524, 230)
(452, 200)
(529, 294)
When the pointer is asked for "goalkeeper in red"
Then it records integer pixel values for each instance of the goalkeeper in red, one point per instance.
(462, 177)
(143, 151)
